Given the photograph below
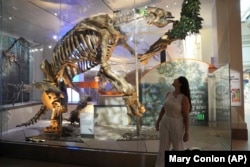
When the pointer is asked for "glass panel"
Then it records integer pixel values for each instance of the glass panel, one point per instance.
(34, 31)
(220, 104)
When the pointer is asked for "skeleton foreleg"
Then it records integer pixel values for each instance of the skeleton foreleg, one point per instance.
(160, 45)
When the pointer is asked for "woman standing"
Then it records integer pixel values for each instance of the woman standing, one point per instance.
(173, 120)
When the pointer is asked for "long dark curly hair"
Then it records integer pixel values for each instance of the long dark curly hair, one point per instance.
(185, 89)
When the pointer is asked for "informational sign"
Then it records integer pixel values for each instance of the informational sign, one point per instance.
(87, 121)
(199, 103)
(235, 89)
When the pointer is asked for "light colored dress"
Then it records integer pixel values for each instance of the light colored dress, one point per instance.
(171, 127)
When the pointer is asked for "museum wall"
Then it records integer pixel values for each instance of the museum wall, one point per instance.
(207, 44)
(230, 51)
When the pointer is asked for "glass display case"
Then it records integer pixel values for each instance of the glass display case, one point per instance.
(105, 48)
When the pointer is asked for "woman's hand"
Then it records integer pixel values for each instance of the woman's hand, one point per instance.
(185, 137)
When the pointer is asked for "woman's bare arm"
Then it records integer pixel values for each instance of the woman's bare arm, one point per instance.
(185, 112)
(159, 118)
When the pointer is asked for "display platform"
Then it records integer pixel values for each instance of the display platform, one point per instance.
(111, 145)
(112, 137)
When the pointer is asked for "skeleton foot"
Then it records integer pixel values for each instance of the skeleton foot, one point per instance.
(134, 106)
(53, 128)
(141, 109)
(139, 112)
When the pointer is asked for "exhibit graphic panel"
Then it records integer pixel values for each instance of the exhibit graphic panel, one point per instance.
(235, 82)
(158, 81)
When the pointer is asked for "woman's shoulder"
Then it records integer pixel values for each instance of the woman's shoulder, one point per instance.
(184, 97)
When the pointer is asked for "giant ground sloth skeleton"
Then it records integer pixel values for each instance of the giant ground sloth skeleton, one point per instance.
(92, 42)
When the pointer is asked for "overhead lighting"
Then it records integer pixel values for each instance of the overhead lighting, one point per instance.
(123, 4)
(15, 8)
(54, 37)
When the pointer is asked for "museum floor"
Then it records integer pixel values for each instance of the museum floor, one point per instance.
(111, 137)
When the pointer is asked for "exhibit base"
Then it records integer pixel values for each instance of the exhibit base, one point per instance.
(111, 146)
(76, 156)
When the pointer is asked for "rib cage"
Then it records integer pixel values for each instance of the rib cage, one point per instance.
(82, 48)
(79, 51)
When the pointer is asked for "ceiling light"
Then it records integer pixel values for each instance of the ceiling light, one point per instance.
(54, 37)
(15, 8)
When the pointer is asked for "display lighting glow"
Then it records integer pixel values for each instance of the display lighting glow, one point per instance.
(73, 148)
(54, 37)
(36, 50)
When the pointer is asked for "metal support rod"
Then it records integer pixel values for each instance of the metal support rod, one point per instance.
(136, 80)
